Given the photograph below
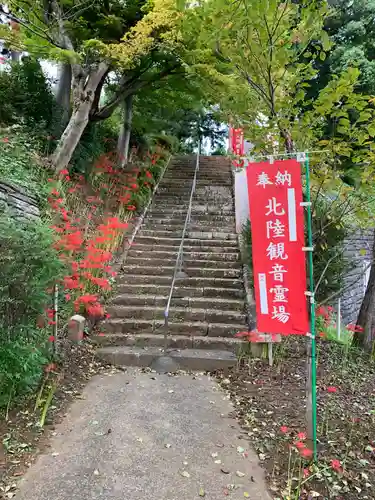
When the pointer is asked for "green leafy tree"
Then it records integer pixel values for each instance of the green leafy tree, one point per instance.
(95, 39)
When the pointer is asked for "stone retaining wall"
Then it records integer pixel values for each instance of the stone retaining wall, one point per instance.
(21, 204)
(357, 249)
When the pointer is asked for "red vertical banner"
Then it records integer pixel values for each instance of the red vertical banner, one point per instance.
(277, 229)
(236, 141)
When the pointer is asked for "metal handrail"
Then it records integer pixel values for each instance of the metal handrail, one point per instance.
(179, 260)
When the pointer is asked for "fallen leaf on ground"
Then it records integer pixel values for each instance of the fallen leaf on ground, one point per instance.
(185, 473)
(214, 455)
(168, 445)
(246, 494)
(239, 473)
(217, 461)
(224, 470)
(226, 492)
(96, 472)
(202, 493)
(240, 449)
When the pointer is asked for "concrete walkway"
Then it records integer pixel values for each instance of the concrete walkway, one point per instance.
(138, 436)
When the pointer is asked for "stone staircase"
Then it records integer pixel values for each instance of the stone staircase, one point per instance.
(207, 306)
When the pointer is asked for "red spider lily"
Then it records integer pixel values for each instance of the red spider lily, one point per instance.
(51, 338)
(322, 311)
(302, 436)
(252, 336)
(336, 465)
(101, 334)
(331, 388)
(354, 328)
(300, 445)
(306, 472)
(306, 453)
(51, 367)
(52, 322)
(284, 429)
(95, 310)
(64, 171)
(68, 297)
(87, 299)
(149, 174)
(131, 208)
(322, 335)
(71, 282)
(50, 313)
(5, 139)
(55, 192)
(134, 186)
(67, 178)
(102, 282)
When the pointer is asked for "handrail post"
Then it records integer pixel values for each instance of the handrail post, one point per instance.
(180, 253)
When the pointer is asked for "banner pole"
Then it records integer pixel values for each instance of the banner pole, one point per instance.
(312, 411)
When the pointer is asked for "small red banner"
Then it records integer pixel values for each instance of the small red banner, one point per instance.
(236, 139)
(277, 229)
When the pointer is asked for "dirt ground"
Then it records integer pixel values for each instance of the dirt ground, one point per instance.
(270, 405)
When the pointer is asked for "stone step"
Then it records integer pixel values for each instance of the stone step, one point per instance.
(170, 227)
(153, 260)
(190, 256)
(176, 314)
(193, 234)
(200, 281)
(150, 248)
(187, 359)
(181, 291)
(175, 181)
(192, 272)
(196, 210)
(157, 326)
(189, 242)
(216, 303)
(195, 219)
(175, 342)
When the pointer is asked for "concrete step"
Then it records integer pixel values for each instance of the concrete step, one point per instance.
(192, 272)
(195, 219)
(181, 291)
(176, 314)
(204, 227)
(170, 211)
(129, 299)
(198, 235)
(151, 247)
(188, 359)
(204, 282)
(153, 260)
(188, 256)
(189, 242)
(173, 342)
(197, 328)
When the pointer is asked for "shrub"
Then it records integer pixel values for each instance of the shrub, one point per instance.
(29, 266)
(25, 93)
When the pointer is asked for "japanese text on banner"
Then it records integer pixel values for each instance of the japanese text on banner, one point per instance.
(277, 228)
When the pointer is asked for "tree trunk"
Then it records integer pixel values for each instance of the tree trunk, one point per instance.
(71, 136)
(366, 316)
(63, 92)
(125, 131)
(83, 96)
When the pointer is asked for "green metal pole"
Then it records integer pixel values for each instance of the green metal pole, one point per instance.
(312, 308)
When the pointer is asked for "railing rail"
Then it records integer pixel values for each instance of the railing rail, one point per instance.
(180, 254)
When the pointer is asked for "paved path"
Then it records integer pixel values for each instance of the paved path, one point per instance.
(138, 436)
